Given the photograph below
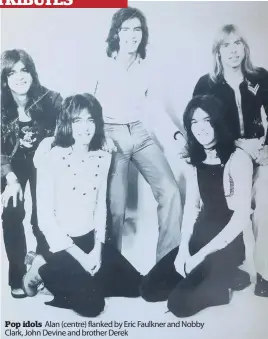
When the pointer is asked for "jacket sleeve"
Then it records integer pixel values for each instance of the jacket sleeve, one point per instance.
(55, 236)
(5, 165)
(202, 86)
(100, 215)
(56, 102)
(264, 94)
(52, 106)
(5, 159)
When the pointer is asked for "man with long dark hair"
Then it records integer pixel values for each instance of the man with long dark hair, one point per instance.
(122, 90)
(205, 268)
(80, 270)
(28, 114)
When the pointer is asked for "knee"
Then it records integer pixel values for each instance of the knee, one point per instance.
(14, 215)
(177, 309)
(169, 192)
(148, 291)
(178, 305)
(88, 306)
(159, 283)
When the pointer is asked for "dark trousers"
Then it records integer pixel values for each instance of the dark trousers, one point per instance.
(12, 220)
(207, 284)
(76, 289)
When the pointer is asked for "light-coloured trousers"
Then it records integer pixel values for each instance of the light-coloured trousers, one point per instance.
(134, 144)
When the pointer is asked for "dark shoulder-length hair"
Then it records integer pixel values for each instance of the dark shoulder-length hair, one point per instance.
(8, 105)
(224, 141)
(70, 109)
(117, 20)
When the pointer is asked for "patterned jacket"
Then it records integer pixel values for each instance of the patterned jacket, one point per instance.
(49, 104)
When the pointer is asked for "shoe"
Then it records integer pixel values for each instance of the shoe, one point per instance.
(261, 287)
(86, 306)
(60, 302)
(18, 293)
(240, 281)
(32, 282)
(29, 258)
(158, 291)
(184, 304)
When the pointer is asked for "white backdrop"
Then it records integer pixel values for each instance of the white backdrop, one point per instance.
(69, 45)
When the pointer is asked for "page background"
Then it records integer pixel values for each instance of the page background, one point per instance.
(67, 46)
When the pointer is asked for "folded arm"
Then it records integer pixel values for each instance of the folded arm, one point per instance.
(100, 215)
(190, 214)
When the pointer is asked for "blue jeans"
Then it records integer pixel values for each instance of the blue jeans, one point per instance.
(135, 144)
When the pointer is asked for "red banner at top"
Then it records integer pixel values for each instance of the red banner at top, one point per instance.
(63, 3)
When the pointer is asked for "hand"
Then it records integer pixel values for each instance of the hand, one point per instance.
(14, 191)
(179, 265)
(192, 262)
(92, 261)
(262, 159)
(109, 146)
(251, 146)
(180, 260)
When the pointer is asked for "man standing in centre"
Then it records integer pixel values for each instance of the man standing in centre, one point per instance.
(122, 89)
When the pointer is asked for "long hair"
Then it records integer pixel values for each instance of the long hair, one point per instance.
(117, 20)
(8, 105)
(247, 66)
(70, 109)
(224, 141)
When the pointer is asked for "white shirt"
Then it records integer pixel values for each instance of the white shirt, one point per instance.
(235, 85)
(122, 92)
(71, 195)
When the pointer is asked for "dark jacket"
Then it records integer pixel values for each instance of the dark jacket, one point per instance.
(254, 95)
(48, 104)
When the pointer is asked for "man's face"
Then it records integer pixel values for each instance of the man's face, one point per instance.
(201, 128)
(83, 128)
(232, 51)
(130, 35)
(19, 79)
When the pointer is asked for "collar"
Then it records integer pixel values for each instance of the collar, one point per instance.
(138, 59)
(90, 154)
